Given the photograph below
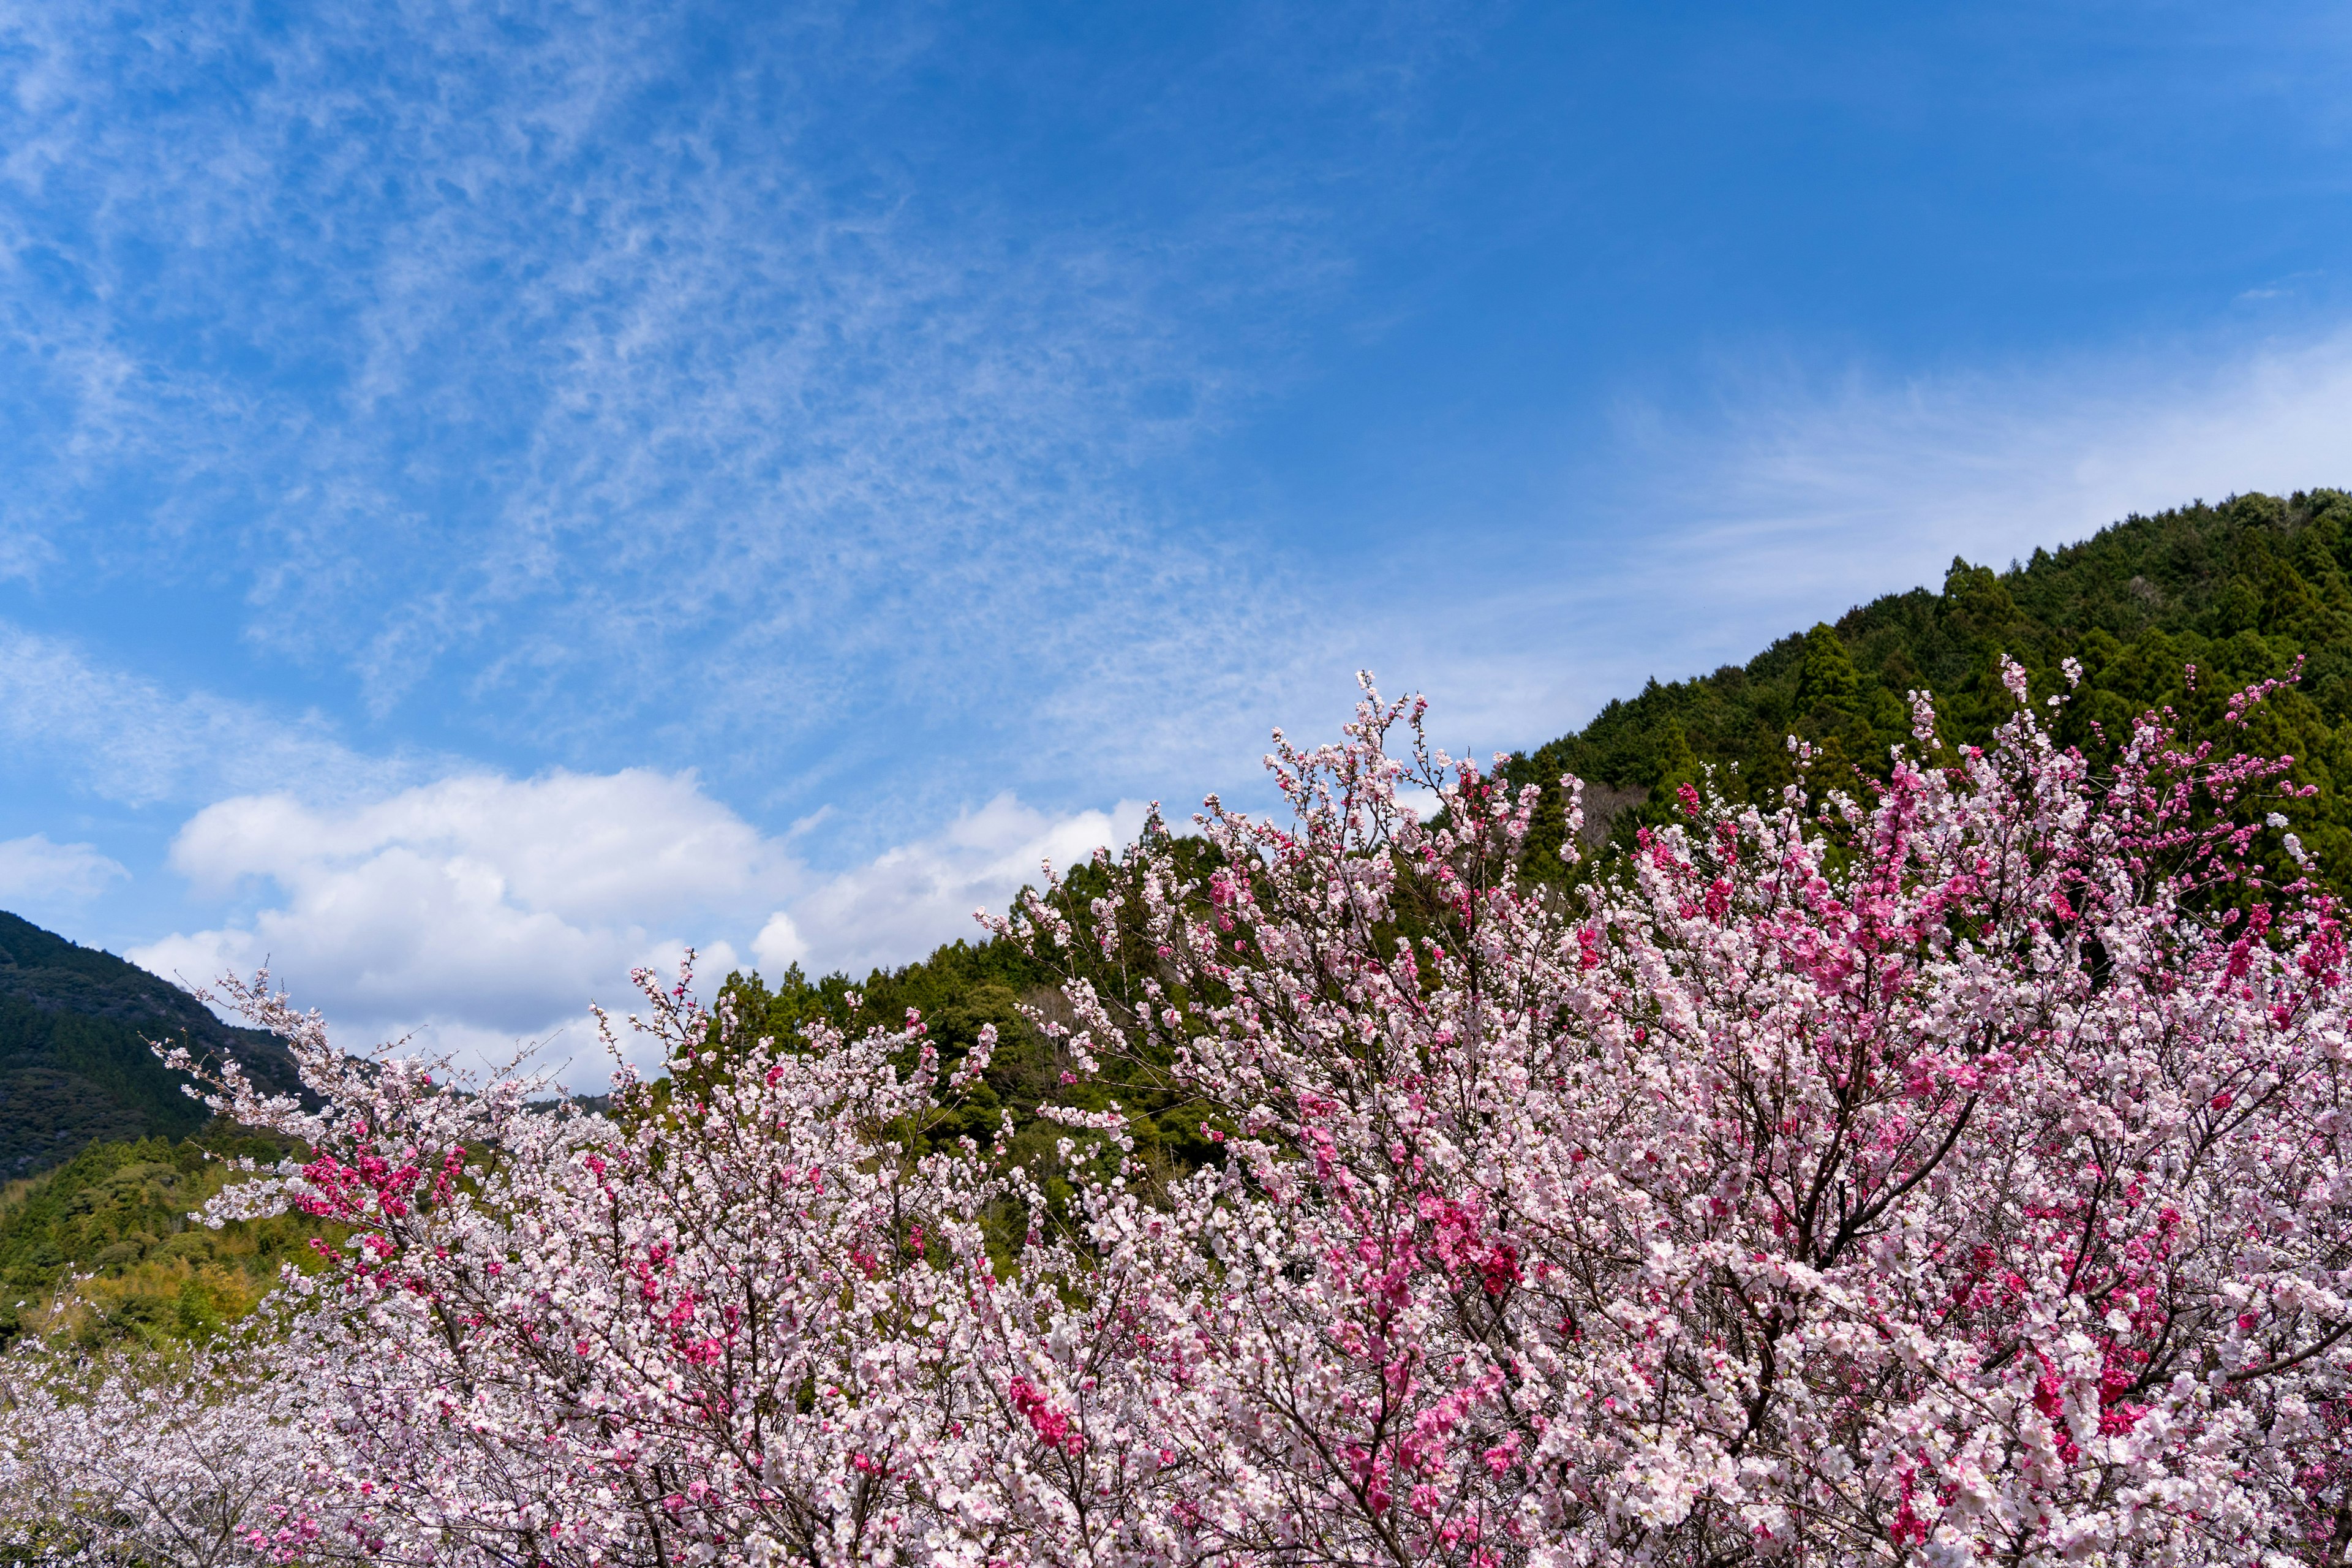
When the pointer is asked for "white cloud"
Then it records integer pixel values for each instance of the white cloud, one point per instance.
(779, 945)
(477, 907)
(481, 910)
(1424, 804)
(33, 870)
(1871, 485)
(916, 896)
(131, 740)
(21, 552)
(593, 847)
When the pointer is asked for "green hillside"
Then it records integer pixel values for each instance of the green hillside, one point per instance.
(2240, 591)
(75, 1065)
(118, 1213)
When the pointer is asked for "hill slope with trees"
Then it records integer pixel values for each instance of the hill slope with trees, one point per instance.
(75, 1065)
(2238, 592)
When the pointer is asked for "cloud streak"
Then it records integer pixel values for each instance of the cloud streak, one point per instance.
(33, 871)
(529, 359)
(134, 740)
(1841, 486)
(1793, 496)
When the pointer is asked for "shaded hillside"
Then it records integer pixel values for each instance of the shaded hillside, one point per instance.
(75, 1066)
(2240, 591)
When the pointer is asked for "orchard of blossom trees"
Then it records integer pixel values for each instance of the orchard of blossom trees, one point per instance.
(1946, 1171)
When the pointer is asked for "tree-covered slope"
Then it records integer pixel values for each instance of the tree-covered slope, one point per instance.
(117, 1213)
(2240, 592)
(75, 1065)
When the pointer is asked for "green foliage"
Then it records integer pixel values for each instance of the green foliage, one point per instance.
(75, 1064)
(962, 988)
(2242, 590)
(117, 1215)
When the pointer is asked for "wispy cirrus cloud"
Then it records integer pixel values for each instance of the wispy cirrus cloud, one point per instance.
(1873, 480)
(125, 738)
(53, 884)
(1792, 495)
(33, 871)
(512, 361)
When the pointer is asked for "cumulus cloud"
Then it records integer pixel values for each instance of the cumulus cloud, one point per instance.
(586, 846)
(34, 872)
(482, 911)
(916, 896)
(479, 906)
(780, 944)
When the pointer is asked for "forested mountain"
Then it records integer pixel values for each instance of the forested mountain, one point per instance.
(2237, 593)
(75, 1065)
(2182, 608)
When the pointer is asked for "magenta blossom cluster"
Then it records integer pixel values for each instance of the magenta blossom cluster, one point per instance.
(1950, 1170)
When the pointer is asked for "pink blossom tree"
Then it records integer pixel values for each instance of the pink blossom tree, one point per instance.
(1948, 1169)
(1952, 1173)
(740, 1321)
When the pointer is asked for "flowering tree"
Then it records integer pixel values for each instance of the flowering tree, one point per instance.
(1955, 1175)
(122, 1462)
(736, 1322)
(1947, 1173)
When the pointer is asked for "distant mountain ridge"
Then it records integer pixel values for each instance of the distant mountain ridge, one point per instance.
(75, 1065)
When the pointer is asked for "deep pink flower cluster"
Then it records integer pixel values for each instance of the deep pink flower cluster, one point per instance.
(1952, 1171)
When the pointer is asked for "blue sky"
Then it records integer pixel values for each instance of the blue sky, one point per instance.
(490, 494)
